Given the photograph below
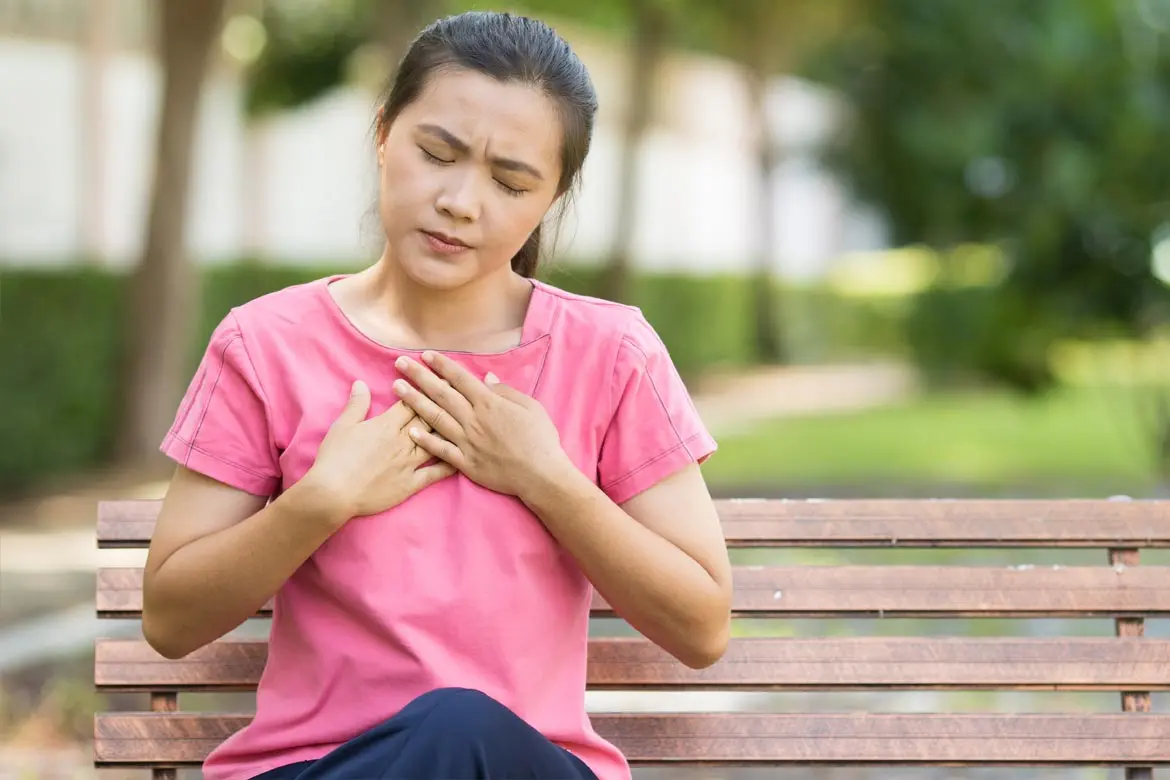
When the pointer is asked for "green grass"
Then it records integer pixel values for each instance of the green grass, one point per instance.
(1084, 440)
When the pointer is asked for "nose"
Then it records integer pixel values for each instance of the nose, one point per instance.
(459, 198)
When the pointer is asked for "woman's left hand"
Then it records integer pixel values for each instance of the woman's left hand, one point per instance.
(497, 436)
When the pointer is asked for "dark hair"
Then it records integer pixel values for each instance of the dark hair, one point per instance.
(508, 48)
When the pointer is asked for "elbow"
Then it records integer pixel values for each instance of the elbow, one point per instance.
(707, 645)
(163, 641)
(160, 633)
(705, 641)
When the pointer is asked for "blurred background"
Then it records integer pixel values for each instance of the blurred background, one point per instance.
(903, 248)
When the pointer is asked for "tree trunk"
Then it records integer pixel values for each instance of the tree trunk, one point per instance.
(768, 330)
(93, 130)
(164, 287)
(401, 20)
(647, 48)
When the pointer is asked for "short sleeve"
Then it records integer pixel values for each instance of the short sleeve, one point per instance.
(221, 428)
(655, 430)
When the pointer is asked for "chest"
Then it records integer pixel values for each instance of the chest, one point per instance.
(570, 388)
(455, 545)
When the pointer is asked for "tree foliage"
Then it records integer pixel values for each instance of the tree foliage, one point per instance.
(306, 53)
(310, 48)
(1038, 127)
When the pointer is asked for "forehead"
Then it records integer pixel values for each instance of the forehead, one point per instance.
(501, 118)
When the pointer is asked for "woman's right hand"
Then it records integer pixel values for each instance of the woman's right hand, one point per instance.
(368, 466)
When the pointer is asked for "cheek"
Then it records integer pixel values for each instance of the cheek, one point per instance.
(521, 216)
(401, 187)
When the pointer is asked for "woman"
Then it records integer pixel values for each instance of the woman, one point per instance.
(430, 465)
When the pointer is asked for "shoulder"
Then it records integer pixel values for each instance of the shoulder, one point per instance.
(620, 327)
(280, 335)
(288, 310)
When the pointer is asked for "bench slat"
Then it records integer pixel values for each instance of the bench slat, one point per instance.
(851, 663)
(854, 523)
(801, 738)
(890, 591)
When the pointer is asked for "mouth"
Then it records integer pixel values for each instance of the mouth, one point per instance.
(444, 242)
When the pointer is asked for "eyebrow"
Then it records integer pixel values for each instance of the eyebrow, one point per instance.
(461, 146)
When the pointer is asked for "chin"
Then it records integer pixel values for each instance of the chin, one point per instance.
(437, 273)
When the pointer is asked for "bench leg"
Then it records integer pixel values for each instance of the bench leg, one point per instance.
(164, 701)
(1132, 701)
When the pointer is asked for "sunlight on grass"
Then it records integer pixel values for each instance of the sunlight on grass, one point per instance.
(1074, 436)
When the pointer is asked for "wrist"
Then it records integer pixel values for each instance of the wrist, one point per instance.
(316, 499)
(549, 485)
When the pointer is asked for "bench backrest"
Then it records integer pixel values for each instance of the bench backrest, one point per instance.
(1117, 588)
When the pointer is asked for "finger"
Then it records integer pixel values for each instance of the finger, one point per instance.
(436, 388)
(429, 475)
(357, 406)
(400, 416)
(428, 411)
(507, 391)
(437, 446)
(459, 377)
(420, 457)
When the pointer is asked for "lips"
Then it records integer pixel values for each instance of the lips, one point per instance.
(446, 239)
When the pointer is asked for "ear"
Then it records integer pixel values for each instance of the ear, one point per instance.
(382, 131)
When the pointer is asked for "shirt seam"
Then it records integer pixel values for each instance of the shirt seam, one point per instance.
(189, 404)
(616, 388)
(599, 302)
(192, 447)
(654, 387)
(260, 392)
(210, 395)
(664, 454)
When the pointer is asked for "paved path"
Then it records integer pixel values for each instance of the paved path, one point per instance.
(736, 402)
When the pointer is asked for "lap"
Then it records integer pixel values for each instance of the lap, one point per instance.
(447, 733)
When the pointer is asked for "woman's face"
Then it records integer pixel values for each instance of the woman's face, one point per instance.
(468, 170)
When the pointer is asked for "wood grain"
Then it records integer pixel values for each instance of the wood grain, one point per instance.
(854, 523)
(889, 591)
(853, 663)
(791, 738)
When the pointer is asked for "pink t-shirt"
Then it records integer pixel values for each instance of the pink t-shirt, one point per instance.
(458, 585)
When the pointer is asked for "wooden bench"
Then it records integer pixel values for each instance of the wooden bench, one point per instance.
(1121, 660)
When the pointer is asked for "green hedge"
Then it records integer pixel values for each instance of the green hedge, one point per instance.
(59, 352)
(61, 329)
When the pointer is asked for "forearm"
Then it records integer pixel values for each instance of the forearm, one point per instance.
(212, 585)
(657, 588)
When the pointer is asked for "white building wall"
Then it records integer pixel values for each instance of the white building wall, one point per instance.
(299, 187)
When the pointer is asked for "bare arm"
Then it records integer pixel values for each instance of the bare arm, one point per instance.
(219, 554)
(659, 559)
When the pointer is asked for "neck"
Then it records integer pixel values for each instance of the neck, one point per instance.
(449, 319)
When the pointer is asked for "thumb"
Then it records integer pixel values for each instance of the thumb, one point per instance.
(357, 406)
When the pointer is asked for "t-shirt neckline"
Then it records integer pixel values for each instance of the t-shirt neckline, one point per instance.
(536, 323)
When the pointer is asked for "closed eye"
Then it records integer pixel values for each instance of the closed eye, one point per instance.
(434, 158)
(515, 193)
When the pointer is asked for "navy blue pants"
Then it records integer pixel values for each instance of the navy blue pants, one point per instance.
(446, 734)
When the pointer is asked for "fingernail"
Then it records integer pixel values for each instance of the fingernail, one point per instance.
(400, 386)
(428, 357)
(491, 379)
(415, 433)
